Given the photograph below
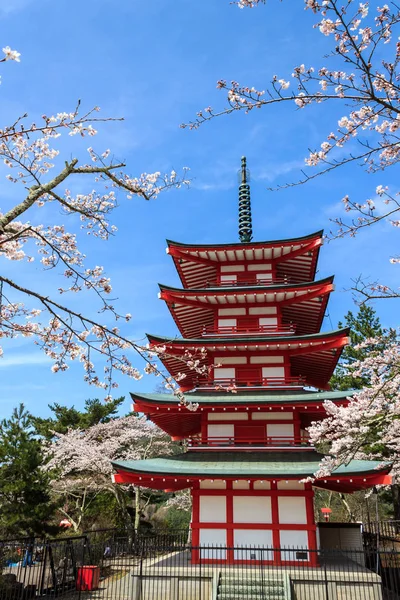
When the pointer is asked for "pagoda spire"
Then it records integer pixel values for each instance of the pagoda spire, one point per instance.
(245, 228)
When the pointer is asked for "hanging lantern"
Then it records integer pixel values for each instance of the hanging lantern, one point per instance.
(327, 513)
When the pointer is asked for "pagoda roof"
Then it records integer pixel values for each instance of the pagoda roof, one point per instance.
(251, 464)
(176, 420)
(302, 304)
(246, 398)
(295, 258)
(313, 357)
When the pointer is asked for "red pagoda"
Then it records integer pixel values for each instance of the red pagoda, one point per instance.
(251, 314)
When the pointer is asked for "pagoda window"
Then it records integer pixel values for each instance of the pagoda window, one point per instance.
(250, 433)
(273, 372)
(225, 416)
(227, 325)
(248, 376)
(224, 374)
(228, 312)
(264, 277)
(264, 267)
(252, 509)
(262, 485)
(228, 279)
(210, 484)
(247, 323)
(231, 268)
(262, 310)
(290, 485)
(268, 321)
(266, 360)
(220, 433)
(241, 485)
(292, 510)
(283, 432)
(213, 537)
(230, 360)
(212, 509)
(254, 539)
(293, 539)
(271, 416)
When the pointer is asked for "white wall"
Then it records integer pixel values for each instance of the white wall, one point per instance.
(292, 509)
(212, 509)
(252, 509)
(280, 430)
(213, 537)
(273, 371)
(271, 416)
(294, 539)
(225, 416)
(247, 537)
(213, 484)
(221, 431)
(290, 485)
(224, 373)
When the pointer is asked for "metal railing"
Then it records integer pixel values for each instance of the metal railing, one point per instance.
(256, 329)
(247, 282)
(249, 382)
(238, 442)
(121, 569)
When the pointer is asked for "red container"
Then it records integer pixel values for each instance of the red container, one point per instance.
(88, 578)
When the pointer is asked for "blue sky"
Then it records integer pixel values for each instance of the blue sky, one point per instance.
(156, 64)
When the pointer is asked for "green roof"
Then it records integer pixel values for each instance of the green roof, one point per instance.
(248, 288)
(252, 338)
(224, 398)
(243, 464)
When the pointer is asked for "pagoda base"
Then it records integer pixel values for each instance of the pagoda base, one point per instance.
(235, 520)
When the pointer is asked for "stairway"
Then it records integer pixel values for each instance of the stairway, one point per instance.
(252, 586)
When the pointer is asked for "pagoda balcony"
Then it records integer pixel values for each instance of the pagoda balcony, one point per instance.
(234, 443)
(248, 282)
(246, 383)
(224, 331)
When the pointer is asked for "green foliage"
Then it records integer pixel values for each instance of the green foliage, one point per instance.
(95, 411)
(26, 507)
(364, 325)
(177, 519)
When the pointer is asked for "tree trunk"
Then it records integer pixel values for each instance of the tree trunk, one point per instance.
(137, 508)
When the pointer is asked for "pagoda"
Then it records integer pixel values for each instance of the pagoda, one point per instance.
(253, 361)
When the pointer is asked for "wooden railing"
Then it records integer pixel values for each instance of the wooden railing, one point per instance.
(256, 329)
(238, 442)
(248, 282)
(240, 382)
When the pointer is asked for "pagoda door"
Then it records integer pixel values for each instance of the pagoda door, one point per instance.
(249, 433)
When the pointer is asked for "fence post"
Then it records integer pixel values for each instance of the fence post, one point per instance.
(326, 580)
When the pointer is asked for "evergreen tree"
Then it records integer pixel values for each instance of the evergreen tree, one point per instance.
(95, 411)
(25, 504)
(363, 326)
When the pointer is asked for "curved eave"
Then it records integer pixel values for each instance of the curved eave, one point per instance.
(303, 304)
(245, 398)
(157, 339)
(188, 468)
(239, 245)
(295, 259)
(312, 357)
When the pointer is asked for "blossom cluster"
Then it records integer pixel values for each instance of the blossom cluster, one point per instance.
(31, 157)
(368, 426)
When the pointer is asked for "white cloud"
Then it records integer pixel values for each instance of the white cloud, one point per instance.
(24, 359)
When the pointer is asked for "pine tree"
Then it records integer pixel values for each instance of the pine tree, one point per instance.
(364, 325)
(95, 411)
(25, 503)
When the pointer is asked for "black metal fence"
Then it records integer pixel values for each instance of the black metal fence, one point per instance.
(167, 568)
